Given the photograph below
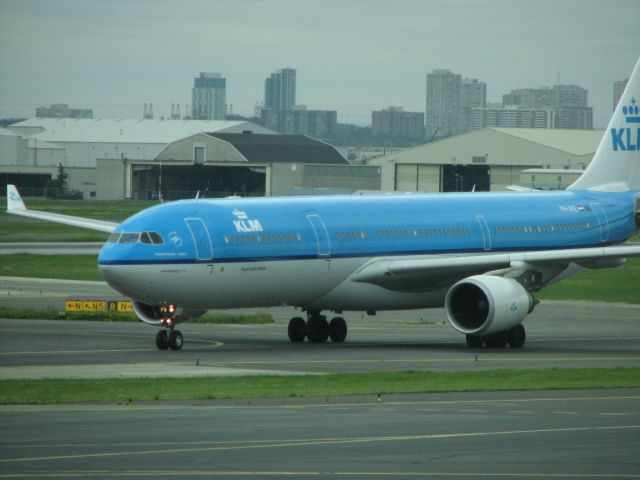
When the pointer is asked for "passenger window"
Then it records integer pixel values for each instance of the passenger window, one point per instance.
(129, 238)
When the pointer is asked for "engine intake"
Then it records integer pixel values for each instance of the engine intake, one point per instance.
(484, 304)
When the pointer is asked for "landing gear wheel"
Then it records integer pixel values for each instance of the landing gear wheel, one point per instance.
(297, 330)
(497, 340)
(338, 330)
(175, 340)
(516, 336)
(317, 329)
(162, 340)
(474, 341)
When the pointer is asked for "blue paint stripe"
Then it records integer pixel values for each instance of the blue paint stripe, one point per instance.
(191, 261)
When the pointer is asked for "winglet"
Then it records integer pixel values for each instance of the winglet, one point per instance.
(14, 200)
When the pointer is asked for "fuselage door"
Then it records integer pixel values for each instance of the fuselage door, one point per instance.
(602, 220)
(322, 237)
(486, 234)
(201, 238)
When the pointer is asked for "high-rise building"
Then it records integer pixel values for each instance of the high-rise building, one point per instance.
(512, 117)
(280, 90)
(450, 100)
(618, 90)
(569, 103)
(473, 95)
(62, 110)
(209, 97)
(300, 121)
(394, 122)
(442, 117)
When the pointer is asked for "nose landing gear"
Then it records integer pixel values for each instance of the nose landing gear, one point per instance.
(169, 338)
(317, 329)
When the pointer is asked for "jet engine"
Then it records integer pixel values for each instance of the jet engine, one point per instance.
(485, 304)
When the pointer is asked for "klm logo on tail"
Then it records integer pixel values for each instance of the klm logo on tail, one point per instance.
(628, 139)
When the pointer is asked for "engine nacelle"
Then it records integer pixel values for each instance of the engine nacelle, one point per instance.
(484, 304)
(163, 315)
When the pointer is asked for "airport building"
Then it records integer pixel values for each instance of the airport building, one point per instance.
(488, 159)
(114, 159)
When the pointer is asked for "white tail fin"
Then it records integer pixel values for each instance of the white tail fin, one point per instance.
(616, 163)
(14, 201)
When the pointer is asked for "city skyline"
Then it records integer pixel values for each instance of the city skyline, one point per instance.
(115, 56)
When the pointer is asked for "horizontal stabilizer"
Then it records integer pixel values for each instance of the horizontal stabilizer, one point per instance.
(16, 206)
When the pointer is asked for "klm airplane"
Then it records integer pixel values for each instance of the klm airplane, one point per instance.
(480, 255)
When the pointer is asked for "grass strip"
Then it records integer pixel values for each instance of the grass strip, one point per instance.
(49, 391)
(217, 318)
(619, 284)
(65, 267)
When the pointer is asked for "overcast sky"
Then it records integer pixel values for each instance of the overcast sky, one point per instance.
(351, 56)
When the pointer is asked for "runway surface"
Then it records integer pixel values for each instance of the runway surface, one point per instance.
(581, 434)
(560, 334)
(585, 434)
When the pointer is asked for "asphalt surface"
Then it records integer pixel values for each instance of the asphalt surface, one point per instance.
(580, 434)
(559, 334)
(583, 434)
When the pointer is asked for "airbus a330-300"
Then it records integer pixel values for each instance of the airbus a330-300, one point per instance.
(480, 255)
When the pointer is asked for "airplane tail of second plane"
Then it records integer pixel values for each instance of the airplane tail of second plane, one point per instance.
(616, 163)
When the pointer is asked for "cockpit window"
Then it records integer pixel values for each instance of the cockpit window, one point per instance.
(156, 239)
(148, 238)
(113, 238)
(129, 238)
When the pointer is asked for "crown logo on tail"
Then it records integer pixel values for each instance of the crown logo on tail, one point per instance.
(632, 111)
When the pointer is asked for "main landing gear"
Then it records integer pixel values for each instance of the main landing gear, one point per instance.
(169, 338)
(514, 336)
(317, 329)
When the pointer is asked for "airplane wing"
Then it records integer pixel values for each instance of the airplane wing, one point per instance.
(16, 206)
(430, 273)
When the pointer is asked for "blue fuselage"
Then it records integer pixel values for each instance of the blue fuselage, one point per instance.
(268, 229)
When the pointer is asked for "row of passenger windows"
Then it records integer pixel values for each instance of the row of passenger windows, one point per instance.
(424, 232)
(355, 235)
(150, 238)
(276, 237)
(550, 228)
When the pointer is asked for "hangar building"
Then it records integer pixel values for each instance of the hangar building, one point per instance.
(77, 144)
(489, 159)
(245, 164)
(115, 159)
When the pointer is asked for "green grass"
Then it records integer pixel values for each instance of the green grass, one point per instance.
(620, 284)
(218, 318)
(68, 267)
(19, 229)
(198, 388)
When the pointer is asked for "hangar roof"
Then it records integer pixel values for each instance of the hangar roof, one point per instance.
(7, 133)
(577, 142)
(126, 131)
(282, 148)
(504, 146)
